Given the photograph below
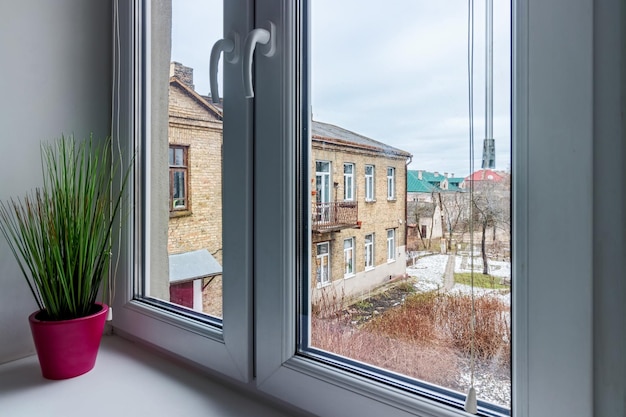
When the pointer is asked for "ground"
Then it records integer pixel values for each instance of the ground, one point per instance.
(492, 378)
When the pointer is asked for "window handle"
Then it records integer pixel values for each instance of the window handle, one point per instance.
(230, 47)
(265, 37)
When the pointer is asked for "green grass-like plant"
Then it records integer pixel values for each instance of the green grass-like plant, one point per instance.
(480, 280)
(60, 234)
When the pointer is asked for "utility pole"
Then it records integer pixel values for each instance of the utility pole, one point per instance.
(489, 144)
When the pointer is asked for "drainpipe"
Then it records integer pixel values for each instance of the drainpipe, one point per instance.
(406, 222)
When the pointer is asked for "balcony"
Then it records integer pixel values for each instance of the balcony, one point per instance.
(334, 216)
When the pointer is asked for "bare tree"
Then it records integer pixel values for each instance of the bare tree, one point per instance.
(454, 207)
(491, 209)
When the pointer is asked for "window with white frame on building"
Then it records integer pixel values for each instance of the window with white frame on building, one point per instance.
(369, 183)
(391, 183)
(348, 257)
(369, 251)
(348, 182)
(322, 264)
(391, 245)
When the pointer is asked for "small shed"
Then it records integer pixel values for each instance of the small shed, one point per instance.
(187, 270)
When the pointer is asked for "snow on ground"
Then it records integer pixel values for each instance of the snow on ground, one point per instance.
(429, 271)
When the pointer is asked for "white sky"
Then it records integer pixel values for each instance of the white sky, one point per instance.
(397, 74)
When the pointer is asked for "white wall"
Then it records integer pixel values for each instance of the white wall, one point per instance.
(55, 77)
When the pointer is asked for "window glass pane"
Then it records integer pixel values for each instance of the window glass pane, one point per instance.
(186, 232)
(409, 79)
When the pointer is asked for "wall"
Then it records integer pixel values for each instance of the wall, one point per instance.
(56, 78)
(193, 125)
(376, 217)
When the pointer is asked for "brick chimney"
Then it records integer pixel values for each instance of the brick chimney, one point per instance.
(183, 73)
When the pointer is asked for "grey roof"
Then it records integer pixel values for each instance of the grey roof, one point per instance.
(192, 265)
(335, 134)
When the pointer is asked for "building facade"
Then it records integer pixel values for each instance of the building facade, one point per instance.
(195, 195)
(358, 214)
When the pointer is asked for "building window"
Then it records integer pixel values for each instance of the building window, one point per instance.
(391, 183)
(369, 251)
(348, 182)
(369, 182)
(322, 263)
(348, 257)
(179, 178)
(391, 245)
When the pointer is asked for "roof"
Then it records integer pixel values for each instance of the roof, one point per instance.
(217, 110)
(485, 175)
(430, 182)
(325, 132)
(192, 265)
(415, 185)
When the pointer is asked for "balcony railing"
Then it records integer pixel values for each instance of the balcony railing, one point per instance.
(328, 217)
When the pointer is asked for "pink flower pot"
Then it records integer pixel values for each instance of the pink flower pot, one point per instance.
(68, 348)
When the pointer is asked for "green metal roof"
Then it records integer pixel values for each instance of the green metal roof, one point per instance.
(430, 182)
(415, 185)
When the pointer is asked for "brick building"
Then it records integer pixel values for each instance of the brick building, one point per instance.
(195, 195)
(358, 213)
(358, 203)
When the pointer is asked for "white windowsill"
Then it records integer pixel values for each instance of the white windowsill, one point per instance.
(128, 380)
(369, 268)
(348, 276)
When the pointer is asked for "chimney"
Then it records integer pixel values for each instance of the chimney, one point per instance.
(419, 174)
(445, 174)
(183, 73)
(436, 173)
(452, 175)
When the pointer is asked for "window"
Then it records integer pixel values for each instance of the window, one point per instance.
(391, 183)
(348, 257)
(369, 251)
(174, 261)
(348, 182)
(322, 191)
(293, 377)
(322, 264)
(369, 182)
(179, 178)
(391, 245)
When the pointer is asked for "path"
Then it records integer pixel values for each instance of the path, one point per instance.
(448, 275)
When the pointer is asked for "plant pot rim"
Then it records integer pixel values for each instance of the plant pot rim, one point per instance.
(33, 317)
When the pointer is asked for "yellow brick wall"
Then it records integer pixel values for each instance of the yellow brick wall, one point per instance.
(191, 124)
(377, 216)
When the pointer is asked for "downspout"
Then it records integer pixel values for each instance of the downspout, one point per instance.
(406, 199)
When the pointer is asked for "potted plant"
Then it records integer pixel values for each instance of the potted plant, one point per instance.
(60, 235)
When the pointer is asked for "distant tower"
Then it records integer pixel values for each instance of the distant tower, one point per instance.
(489, 144)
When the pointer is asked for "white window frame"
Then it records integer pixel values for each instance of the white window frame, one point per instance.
(369, 254)
(349, 255)
(324, 260)
(391, 183)
(553, 134)
(140, 111)
(348, 182)
(391, 245)
(370, 183)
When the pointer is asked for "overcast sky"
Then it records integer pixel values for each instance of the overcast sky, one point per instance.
(395, 71)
